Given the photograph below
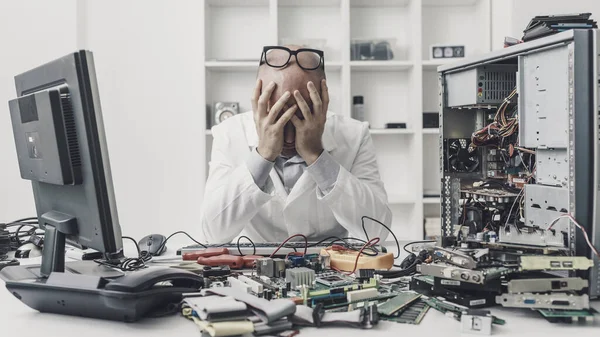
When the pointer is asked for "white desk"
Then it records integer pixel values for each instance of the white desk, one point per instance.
(17, 319)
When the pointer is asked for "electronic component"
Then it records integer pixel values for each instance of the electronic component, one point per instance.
(541, 285)
(413, 314)
(453, 310)
(530, 236)
(333, 279)
(466, 275)
(296, 261)
(469, 259)
(491, 286)
(279, 265)
(218, 271)
(300, 277)
(359, 295)
(486, 84)
(266, 267)
(365, 274)
(459, 157)
(223, 110)
(237, 284)
(468, 298)
(555, 263)
(530, 188)
(442, 51)
(345, 260)
(397, 303)
(544, 301)
(476, 322)
(255, 286)
(270, 267)
(568, 316)
(490, 195)
(325, 260)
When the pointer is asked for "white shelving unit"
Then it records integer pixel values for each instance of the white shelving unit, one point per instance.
(398, 90)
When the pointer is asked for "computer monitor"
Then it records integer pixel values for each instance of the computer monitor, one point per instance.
(61, 148)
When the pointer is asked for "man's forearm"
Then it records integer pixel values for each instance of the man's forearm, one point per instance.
(324, 171)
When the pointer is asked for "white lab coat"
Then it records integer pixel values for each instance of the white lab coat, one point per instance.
(234, 205)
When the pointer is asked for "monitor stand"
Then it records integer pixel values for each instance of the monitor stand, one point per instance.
(57, 226)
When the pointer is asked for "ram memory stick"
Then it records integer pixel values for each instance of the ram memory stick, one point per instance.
(397, 303)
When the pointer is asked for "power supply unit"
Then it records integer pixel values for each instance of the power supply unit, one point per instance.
(486, 84)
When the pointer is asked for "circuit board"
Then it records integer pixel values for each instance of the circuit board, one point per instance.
(414, 314)
(568, 316)
(398, 303)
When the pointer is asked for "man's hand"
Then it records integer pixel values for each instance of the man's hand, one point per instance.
(268, 127)
(310, 130)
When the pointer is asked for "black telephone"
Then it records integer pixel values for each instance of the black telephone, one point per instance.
(122, 297)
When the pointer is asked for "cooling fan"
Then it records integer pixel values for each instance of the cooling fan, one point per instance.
(460, 157)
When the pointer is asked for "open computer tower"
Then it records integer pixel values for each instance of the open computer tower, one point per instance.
(519, 145)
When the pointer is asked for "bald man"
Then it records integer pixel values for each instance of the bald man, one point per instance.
(290, 166)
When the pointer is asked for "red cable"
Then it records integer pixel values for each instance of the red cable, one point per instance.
(371, 242)
(288, 239)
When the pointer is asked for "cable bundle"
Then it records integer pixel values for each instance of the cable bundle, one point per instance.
(502, 127)
(4, 242)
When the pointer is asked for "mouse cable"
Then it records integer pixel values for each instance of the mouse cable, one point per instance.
(127, 264)
(180, 232)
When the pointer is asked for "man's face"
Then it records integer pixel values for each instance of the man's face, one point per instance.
(290, 78)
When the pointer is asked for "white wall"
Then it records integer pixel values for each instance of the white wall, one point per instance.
(32, 32)
(148, 56)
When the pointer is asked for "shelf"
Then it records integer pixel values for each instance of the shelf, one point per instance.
(391, 131)
(431, 200)
(379, 3)
(448, 3)
(238, 3)
(232, 65)
(400, 199)
(380, 65)
(434, 64)
(431, 131)
(309, 3)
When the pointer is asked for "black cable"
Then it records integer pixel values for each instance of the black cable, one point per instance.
(179, 232)
(247, 238)
(18, 237)
(134, 242)
(24, 220)
(128, 264)
(362, 220)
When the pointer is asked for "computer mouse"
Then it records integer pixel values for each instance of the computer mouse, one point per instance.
(28, 250)
(153, 244)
